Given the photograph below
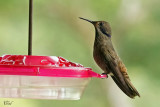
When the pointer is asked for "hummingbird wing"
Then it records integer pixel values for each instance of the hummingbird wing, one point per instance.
(119, 72)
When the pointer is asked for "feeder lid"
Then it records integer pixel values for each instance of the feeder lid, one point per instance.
(51, 66)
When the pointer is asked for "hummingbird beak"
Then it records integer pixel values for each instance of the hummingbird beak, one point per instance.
(87, 20)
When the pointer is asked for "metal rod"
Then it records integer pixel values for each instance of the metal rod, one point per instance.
(30, 27)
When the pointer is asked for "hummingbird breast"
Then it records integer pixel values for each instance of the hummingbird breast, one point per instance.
(99, 59)
(101, 41)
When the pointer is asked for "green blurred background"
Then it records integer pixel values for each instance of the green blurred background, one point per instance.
(57, 31)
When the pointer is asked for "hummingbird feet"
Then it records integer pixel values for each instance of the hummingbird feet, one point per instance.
(104, 75)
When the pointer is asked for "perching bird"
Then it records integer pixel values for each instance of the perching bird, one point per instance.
(107, 59)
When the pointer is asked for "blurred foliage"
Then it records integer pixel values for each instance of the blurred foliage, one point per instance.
(57, 31)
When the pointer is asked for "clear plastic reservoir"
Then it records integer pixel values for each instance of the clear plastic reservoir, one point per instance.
(36, 87)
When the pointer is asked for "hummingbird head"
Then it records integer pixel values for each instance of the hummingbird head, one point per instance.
(100, 26)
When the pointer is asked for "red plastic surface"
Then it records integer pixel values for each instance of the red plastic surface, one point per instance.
(43, 66)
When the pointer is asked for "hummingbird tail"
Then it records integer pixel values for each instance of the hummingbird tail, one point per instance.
(128, 89)
(134, 90)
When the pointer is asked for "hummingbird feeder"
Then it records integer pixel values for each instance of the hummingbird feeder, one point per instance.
(42, 77)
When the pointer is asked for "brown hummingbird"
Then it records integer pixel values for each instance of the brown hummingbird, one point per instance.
(107, 59)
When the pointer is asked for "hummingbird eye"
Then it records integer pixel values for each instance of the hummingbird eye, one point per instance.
(101, 23)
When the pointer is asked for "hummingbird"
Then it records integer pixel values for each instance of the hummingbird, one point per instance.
(108, 60)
